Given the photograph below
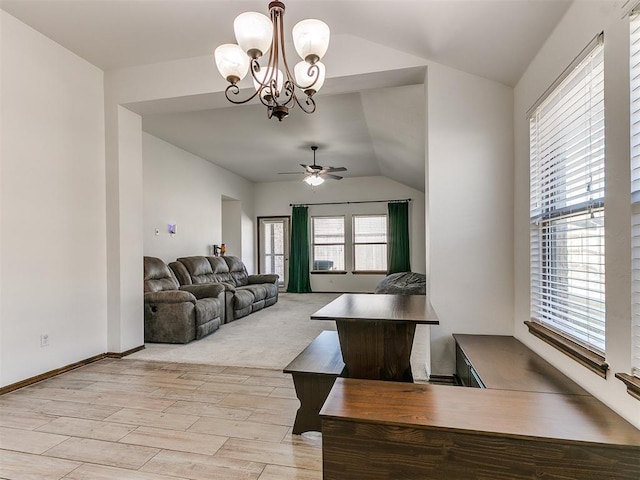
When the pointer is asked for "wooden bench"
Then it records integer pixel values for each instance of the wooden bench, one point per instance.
(314, 372)
(527, 420)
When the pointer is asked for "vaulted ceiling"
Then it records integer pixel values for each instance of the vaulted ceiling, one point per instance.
(371, 132)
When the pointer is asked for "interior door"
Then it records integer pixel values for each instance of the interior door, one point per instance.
(273, 247)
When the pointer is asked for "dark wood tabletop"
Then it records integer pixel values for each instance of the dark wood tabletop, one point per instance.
(569, 418)
(379, 307)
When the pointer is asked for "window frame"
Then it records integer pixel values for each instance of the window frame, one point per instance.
(354, 216)
(632, 379)
(313, 246)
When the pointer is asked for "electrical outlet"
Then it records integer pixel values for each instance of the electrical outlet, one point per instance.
(44, 340)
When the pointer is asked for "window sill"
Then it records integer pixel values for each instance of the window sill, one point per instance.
(594, 362)
(328, 272)
(369, 272)
(632, 382)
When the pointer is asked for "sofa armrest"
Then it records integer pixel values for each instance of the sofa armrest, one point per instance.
(204, 290)
(263, 278)
(229, 287)
(169, 296)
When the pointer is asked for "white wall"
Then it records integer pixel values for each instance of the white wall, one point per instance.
(580, 24)
(271, 200)
(187, 190)
(470, 215)
(232, 227)
(52, 217)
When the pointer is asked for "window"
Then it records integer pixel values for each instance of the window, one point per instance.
(632, 381)
(567, 206)
(635, 189)
(370, 243)
(328, 243)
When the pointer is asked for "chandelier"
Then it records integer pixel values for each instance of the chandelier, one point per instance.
(275, 86)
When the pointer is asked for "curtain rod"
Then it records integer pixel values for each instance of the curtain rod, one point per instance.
(348, 203)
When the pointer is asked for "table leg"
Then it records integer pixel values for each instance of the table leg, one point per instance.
(377, 350)
(312, 390)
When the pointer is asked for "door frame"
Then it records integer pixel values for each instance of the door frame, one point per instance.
(287, 219)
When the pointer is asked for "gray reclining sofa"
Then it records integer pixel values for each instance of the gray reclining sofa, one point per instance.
(244, 293)
(178, 314)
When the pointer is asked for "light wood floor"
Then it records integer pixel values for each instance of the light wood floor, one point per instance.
(131, 419)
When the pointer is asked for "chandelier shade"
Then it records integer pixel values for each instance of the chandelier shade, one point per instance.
(276, 85)
(253, 32)
(311, 39)
(232, 62)
(310, 81)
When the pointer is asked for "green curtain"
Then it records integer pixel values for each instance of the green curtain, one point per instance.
(299, 281)
(398, 253)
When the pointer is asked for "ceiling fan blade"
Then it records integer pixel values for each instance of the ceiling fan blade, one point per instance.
(292, 173)
(335, 169)
(328, 175)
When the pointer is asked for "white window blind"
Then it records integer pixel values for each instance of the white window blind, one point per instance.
(328, 243)
(370, 242)
(635, 189)
(567, 204)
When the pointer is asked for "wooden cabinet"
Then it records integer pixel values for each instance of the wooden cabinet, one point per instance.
(465, 372)
(503, 362)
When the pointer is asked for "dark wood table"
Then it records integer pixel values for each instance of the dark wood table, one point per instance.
(376, 332)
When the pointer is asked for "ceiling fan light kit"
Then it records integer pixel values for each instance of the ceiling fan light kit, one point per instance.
(314, 180)
(275, 85)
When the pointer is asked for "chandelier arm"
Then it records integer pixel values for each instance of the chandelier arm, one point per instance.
(235, 90)
(278, 48)
(255, 68)
(312, 71)
(308, 101)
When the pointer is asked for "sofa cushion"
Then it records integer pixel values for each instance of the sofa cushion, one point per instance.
(237, 270)
(218, 265)
(272, 290)
(259, 292)
(199, 268)
(242, 299)
(158, 276)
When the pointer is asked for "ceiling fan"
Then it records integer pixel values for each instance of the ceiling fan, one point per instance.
(316, 174)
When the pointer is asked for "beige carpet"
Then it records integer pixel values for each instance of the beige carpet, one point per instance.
(270, 338)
